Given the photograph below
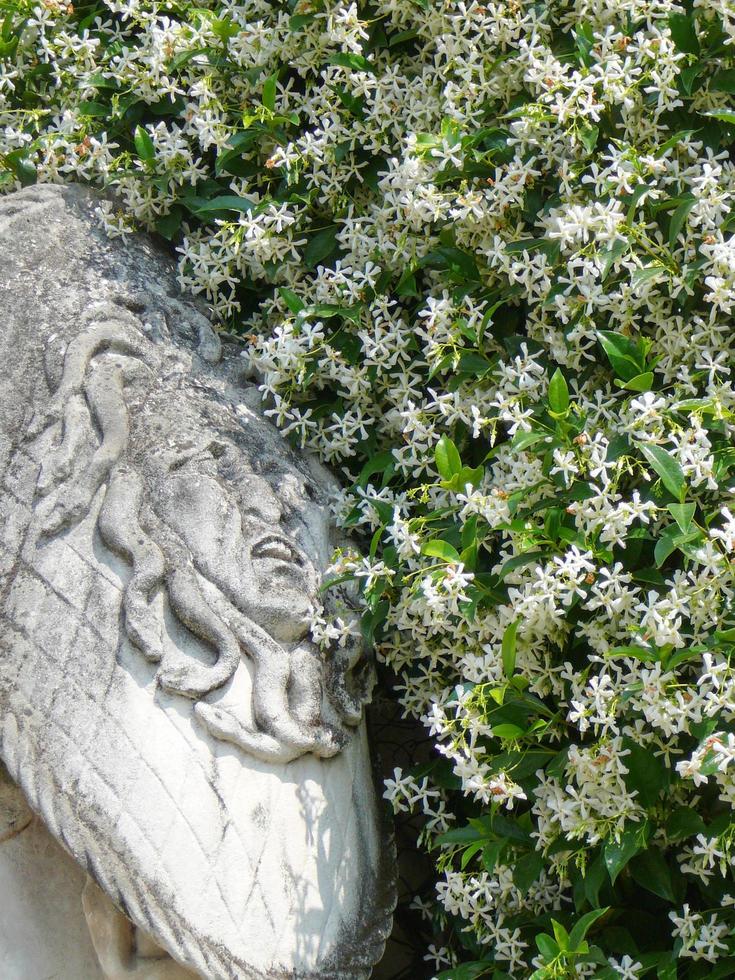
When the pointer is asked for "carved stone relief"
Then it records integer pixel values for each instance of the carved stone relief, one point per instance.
(162, 705)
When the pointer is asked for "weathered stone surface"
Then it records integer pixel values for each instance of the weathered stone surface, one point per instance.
(161, 704)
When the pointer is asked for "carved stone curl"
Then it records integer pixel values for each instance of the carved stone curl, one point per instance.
(161, 702)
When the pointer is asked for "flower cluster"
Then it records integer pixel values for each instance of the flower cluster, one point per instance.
(481, 256)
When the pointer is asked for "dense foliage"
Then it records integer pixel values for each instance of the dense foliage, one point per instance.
(482, 255)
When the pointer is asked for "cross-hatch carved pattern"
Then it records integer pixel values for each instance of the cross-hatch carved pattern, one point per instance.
(161, 702)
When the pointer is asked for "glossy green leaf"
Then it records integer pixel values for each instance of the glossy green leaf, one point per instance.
(440, 549)
(546, 946)
(225, 202)
(725, 115)
(447, 458)
(144, 144)
(560, 934)
(617, 853)
(626, 358)
(594, 878)
(292, 301)
(666, 467)
(527, 869)
(646, 775)
(321, 245)
(682, 514)
(558, 394)
(465, 971)
(652, 872)
(507, 731)
(355, 61)
(684, 32)
(684, 822)
(268, 97)
(583, 925)
(508, 648)
(678, 218)
(641, 382)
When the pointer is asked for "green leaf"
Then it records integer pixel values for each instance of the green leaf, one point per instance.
(722, 970)
(672, 141)
(440, 549)
(465, 971)
(594, 878)
(447, 458)
(560, 934)
(646, 773)
(684, 33)
(583, 925)
(652, 872)
(524, 440)
(470, 362)
(637, 653)
(666, 467)
(292, 301)
(168, 224)
(461, 265)
(469, 853)
(626, 358)
(527, 870)
(641, 382)
(354, 104)
(88, 108)
(184, 57)
(491, 854)
(558, 394)
(462, 835)
(546, 946)
(372, 622)
(617, 853)
(355, 61)
(508, 648)
(666, 545)
(525, 245)
(588, 136)
(518, 561)
(143, 144)
(724, 115)
(684, 822)
(689, 75)
(224, 28)
(507, 731)
(682, 514)
(584, 37)
(225, 202)
(351, 313)
(23, 168)
(298, 21)
(468, 474)
(723, 81)
(649, 273)
(268, 97)
(667, 968)
(616, 251)
(678, 218)
(505, 827)
(321, 246)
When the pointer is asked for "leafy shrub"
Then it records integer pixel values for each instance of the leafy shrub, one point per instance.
(482, 254)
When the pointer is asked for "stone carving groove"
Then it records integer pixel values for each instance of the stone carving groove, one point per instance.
(91, 394)
(161, 703)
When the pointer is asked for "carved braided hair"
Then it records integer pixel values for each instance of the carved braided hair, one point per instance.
(107, 365)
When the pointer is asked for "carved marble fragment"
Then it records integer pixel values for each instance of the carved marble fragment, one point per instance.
(162, 706)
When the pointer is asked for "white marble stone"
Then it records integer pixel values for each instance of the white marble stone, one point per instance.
(43, 931)
(162, 704)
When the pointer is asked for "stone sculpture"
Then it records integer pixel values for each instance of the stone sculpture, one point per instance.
(162, 705)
